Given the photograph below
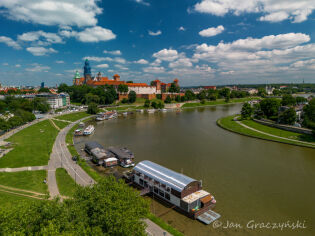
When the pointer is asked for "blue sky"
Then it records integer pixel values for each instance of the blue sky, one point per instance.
(201, 42)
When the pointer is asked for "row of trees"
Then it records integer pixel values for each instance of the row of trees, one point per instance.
(153, 104)
(85, 94)
(107, 208)
(21, 109)
(270, 108)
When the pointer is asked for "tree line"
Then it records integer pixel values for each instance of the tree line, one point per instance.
(282, 110)
(107, 208)
(21, 109)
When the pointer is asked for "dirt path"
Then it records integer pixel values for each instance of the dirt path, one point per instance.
(53, 123)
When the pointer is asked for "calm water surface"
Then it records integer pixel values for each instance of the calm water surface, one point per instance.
(252, 180)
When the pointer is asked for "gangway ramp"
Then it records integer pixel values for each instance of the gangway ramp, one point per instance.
(208, 217)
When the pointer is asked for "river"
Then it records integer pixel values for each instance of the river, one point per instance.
(253, 181)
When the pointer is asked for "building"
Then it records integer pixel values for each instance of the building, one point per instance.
(142, 90)
(125, 156)
(180, 190)
(42, 85)
(210, 87)
(250, 91)
(99, 155)
(55, 100)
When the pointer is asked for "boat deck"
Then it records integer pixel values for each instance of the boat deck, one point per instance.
(208, 217)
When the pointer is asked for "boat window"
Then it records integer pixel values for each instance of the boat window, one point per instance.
(163, 186)
(156, 182)
(146, 184)
(168, 189)
(138, 174)
(161, 193)
(167, 196)
(146, 177)
(156, 190)
(141, 181)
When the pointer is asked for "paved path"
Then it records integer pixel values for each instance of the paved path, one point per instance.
(61, 158)
(271, 135)
(155, 230)
(26, 168)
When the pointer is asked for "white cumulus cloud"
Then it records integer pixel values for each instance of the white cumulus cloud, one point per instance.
(53, 12)
(115, 52)
(10, 42)
(152, 33)
(141, 61)
(40, 51)
(212, 31)
(166, 55)
(102, 66)
(274, 11)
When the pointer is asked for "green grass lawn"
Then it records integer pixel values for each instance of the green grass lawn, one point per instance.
(73, 116)
(229, 124)
(29, 180)
(9, 199)
(279, 132)
(65, 183)
(32, 146)
(219, 102)
(60, 124)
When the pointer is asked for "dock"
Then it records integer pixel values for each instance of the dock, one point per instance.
(208, 217)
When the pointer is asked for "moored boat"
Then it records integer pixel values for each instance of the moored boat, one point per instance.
(151, 110)
(89, 130)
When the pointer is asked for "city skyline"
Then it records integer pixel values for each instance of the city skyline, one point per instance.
(203, 42)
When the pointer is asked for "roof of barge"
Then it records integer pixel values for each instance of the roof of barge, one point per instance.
(164, 175)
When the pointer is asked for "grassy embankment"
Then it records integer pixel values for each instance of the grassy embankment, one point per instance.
(28, 180)
(73, 116)
(60, 124)
(218, 102)
(229, 124)
(65, 183)
(32, 146)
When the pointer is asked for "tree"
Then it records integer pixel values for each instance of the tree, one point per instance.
(258, 114)
(122, 88)
(262, 92)
(154, 105)
(173, 88)
(202, 95)
(189, 95)
(15, 121)
(132, 96)
(177, 98)
(270, 107)
(225, 92)
(91, 98)
(246, 111)
(168, 99)
(288, 117)
(227, 99)
(109, 207)
(160, 105)
(44, 90)
(309, 115)
(40, 104)
(203, 101)
(147, 103)
(288, 100)
(300, 100)
(92, 108)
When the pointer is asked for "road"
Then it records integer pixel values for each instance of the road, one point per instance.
(61, 158)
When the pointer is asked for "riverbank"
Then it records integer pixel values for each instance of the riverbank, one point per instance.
(253, 129)
(192, 104)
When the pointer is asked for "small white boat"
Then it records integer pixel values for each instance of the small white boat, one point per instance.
(125, 113)
(140, 110)
(164, 110)
(89, 130)
(151, 110)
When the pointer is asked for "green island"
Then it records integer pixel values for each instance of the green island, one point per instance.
(229, 123)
